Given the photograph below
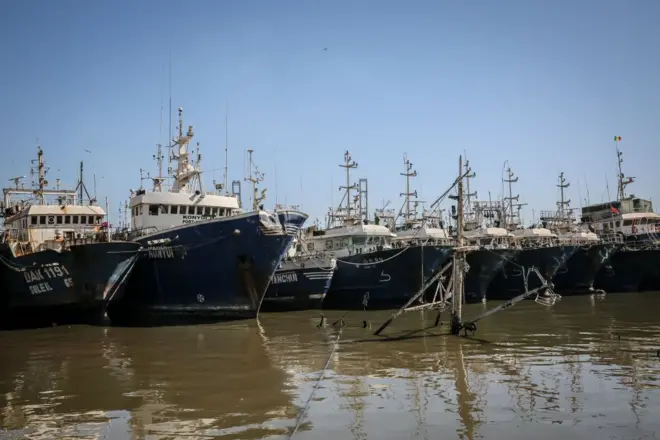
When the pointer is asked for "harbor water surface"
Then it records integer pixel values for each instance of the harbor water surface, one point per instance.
(587, 367)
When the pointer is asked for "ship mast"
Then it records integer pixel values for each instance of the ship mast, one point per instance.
(41, 175)
(468, 194)
(255, 180)
(622, 180)
(409, 172)
(187, 172)
(348, 164)
(511, 198)
(562, 202)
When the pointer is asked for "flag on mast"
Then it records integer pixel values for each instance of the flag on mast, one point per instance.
(617, 138)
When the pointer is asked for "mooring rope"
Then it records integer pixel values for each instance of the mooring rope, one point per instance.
(318, 382)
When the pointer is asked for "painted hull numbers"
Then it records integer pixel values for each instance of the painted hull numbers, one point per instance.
(38, 280)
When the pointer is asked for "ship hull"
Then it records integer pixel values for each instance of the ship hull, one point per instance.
(383, 279)
(579, 273)
(300, 284)
(485, 265)
(50, 287)
(510, 282)
(101, 272)
(628, 270)
(209, 271)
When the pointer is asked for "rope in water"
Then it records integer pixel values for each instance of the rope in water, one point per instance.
(318, 382)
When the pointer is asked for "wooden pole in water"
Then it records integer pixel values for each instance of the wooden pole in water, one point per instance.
(459, 256)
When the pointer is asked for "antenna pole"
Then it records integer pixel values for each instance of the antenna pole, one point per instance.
(348, 164)
(169, 141)
(227, 144)
(81, 182)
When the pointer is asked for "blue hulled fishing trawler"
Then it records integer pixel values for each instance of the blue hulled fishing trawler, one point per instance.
(56, 261)
(301, 281)
(494, 245)
(371, 272)
(579, 272)
(538, 248)
(629, 220)
(205, 259)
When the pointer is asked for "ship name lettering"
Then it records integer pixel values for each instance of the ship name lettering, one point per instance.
(161, 253)
(286, 277)
(188, 219)
(373, 260)
(39, 288)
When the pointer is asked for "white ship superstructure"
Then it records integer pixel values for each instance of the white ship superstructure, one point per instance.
(354, 234)
(40, 218)
(629, 217)
(185, 202)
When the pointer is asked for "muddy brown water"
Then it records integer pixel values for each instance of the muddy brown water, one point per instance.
(587, 367)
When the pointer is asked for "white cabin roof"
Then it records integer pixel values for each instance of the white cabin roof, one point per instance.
(639, 215)
(534, 233)
(58, 210)
(487, 232)
(356, 230)
(422, 233)
(580, 235)
(186, 199)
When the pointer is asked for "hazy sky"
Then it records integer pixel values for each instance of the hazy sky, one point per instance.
(544, 85)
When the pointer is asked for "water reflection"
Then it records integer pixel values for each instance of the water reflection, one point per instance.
(588, 367)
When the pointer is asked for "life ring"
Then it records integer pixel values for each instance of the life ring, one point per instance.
(634, 229)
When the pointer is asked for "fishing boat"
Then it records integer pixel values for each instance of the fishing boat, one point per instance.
(495, 248)
(539, 247)
(629, 220)
(593, 252)
(371, 272)
(205, 259)
(494, 245)
(301, 282)
(58, 264)
(414, 229)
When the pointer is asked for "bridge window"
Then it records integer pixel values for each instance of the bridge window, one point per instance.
(98, 219)
(75, 219)
(328, 244)
(60, 219)
(207, 210)
(153, 209)
(618, 223)
(222, 212)
(67, 219)
(191, 210)
(33, 219)
(214, 212)
(182, 209)
(164, 209)
(174, 209)
(42, 219)
(199, 210)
